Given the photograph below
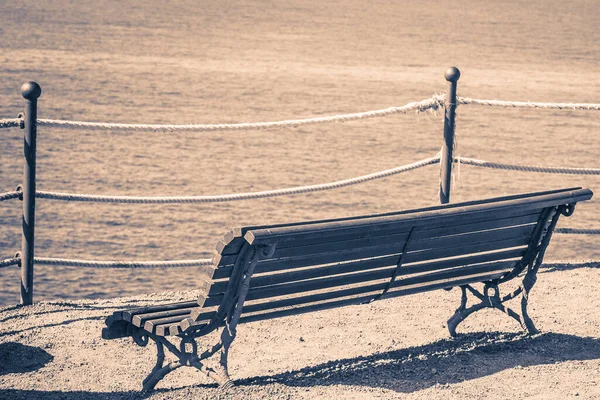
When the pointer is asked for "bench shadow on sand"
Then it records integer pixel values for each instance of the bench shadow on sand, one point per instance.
(447, 361)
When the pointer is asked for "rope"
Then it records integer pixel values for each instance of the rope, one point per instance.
(434, 102)
(10, 195)
(529, 104)
(123, 264)
(528, 168)
(10, 123)
(9, 261)
(238, 196)
(575, 231)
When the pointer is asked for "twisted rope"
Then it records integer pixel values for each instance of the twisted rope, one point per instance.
(238, 196)
(576, 231)
(529, 104)
(9, 262)
(528, 168)
(434, 102)
(10, 195)
(10, 123)
(123, 264)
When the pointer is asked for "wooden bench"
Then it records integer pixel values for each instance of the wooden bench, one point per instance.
(266, 272)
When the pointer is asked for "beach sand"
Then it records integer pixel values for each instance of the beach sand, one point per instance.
(390, 349)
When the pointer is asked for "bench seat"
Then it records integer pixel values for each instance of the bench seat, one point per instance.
(162, 320)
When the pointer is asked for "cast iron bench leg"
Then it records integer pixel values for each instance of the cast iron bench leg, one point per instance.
(160, 359)
(187, 355)
(494, 301)
(155, 377)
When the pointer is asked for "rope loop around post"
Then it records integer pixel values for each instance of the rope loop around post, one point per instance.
(9, 262)
(11, 195)
(10, 123)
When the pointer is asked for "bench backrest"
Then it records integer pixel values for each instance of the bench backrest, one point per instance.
(330, 263)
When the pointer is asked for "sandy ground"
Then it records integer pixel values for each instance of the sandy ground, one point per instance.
(397, 348)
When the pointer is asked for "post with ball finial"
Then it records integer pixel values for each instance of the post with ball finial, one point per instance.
(30, 91)
(447, 158)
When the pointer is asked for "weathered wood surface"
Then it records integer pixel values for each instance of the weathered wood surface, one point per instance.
(332, 263)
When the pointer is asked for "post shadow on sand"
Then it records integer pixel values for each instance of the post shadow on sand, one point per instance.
(17, 358)
(446, 361)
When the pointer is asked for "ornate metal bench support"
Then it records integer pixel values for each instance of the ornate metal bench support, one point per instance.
(494, 300)
(187, 353)
(160, 359)
(154, 377)
(536, 250)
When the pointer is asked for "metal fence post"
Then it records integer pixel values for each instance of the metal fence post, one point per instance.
(452, 75)
(30, 91)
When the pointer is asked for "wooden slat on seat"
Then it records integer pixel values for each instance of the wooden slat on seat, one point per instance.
(171, 329)
(158, 325)
(140, 319)
(129, 314)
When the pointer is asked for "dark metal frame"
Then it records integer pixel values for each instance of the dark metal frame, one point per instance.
(227, 316)
(532, 260)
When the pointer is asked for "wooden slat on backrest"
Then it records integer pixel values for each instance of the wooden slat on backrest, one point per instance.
(219, 273)
(335, 269)
(438, 215)
(323, 261)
